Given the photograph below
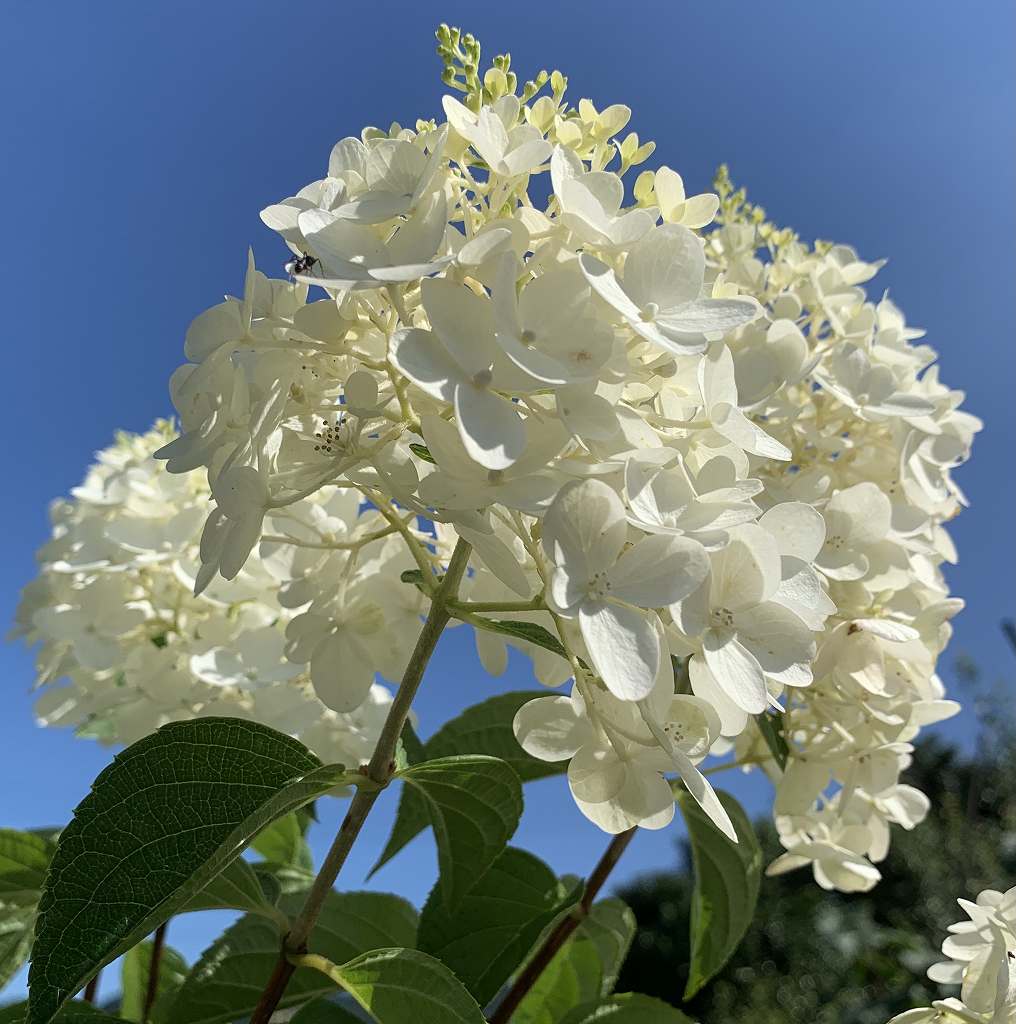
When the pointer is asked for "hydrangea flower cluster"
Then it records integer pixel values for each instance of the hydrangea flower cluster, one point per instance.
(982, 960)
(125, 646)
(706, 472)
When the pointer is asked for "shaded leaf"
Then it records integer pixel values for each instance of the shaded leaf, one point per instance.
(134, 972)
(405, 986)
(236, 887)
(226, 982)
(584, 969)
(473, 803)
(72, 1013)
(24, 859)
(520, 630)
(726, 887)
(16, 925)
(486, 938)
(322, 1011)
(484, 728)
(771, 727)
(283, 842)
(630, 1008)
(281, 879)
(161, 821)
(423, 452)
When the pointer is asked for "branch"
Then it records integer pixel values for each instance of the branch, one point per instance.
(158, 942)
(92, 988)
(379, 770)
(562, 930)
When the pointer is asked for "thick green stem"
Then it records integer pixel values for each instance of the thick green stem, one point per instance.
(379, 770)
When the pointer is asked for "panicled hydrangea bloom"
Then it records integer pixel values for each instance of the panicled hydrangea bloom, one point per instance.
(684, 443)
(982, 960)
(124, 646)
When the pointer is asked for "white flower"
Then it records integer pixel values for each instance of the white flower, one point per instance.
(507, 148)
(658, 295)
(584, 532)
(745, 635)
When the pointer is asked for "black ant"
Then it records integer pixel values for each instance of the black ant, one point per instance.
(301, 265)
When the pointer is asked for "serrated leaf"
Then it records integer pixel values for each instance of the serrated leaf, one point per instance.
(423, 452)
(15, 940)
(518, 629)
(486, 938)
(226, 982)
(630, 1008)
(283, 842)
(584, 969)
(726, 887)
(771, 727)
(473, 803)
(405, 986)
(161, 821)
(72, 1013)
(484, 728)
(321, 1011)
(24, 859)
(134, 974)
(236, 887)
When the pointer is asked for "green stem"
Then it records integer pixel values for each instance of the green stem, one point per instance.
(380, 771)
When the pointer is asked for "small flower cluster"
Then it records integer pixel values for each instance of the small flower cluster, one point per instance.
(125, 646)
(982, 960)
(683, 445)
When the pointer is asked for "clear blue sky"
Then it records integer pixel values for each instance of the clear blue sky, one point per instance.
(143, 139)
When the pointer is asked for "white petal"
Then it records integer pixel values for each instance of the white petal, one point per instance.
(463, 321)
(798, 528)
(733, 719)
(585, 523)
(491, 430)
(551, 728)
(418, 355)
(623, 647)
(595, 774)
(704, 794)
(665, 267)
(606, 285)
(658, 571)
(736, 670)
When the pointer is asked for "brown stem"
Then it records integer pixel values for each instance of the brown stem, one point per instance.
(562, 931)
(92, 988)
(379, 770)
(152, 989)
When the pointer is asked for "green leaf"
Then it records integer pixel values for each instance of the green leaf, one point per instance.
(495, 926)
(422, 452)
(24, 859)
(521, 630)
(236, 887)
(771, 727)
(473, 803)
(226, 982)
(484, 728)
(16, 925)
(283, 842)
(321, 1011)
(72, 1013)
(405, 986)
(584, 969)
(726, 887)
(134, 972)
(630, 1008)
(161, 821)
(282, 878)
(414, 576)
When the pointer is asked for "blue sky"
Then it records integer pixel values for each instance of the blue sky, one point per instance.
(143, 139)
